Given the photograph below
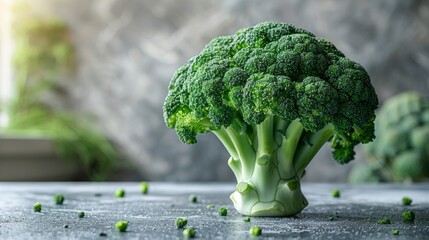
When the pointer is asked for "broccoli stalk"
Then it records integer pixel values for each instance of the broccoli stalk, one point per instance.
(273, 95)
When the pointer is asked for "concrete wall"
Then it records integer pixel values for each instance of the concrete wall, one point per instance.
(128, 50)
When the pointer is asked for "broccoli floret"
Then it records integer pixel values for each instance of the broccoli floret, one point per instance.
(37, 207)
(210, 206)
(399, 153)
(255, 231)
(120, 193)
(66, 226)
(406, 201)
(189, 232)
(408, 216)
(273, 94)
(385, 220)
(102, 234)
(246, 219)
(121, 226)
(81, 214)
(336, 193)
(144, 187)
(58, 199)
(181, 222)
(223, 211)
(193, 198)
(395, 232)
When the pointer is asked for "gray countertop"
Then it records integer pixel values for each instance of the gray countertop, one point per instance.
(152, 216)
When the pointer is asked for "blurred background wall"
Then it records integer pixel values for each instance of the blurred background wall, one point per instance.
(127, 51)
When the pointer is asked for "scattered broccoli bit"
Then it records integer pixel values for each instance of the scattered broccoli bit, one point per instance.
(246, 219)
(102, 234)
(66, 226)
(189, 232)
(273, 94)
(406, 201)
(59, 199)
(255, 231)
(336, 193)
(144, 187)
(395, 232)
(192, 198)
(332, 218)
(385, 220)
(97, 194)
(223, 211)
(181, 222)
(408, 216)
(210, 206)
(37, 207)
(81, 214)
(121, 226)
(120, 193)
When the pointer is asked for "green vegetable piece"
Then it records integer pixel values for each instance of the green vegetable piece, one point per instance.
(144, 187)
(332, 218)
(336, 193)
(385, 220)
(81, 214)
(181, 222)
(210, 206)
(273, 94)
(58, 199)
(120, 193)
(121, 226)
(66, 226)
(97, 194)
(102, 234)
(406, 201)
(255, 231)
(189, 232)
(246, 219)
(408, 216)
(223, 211)
(395, 232)
(192, 198)
(37, 207)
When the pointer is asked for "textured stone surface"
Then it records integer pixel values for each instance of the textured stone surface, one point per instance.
(128, 50)
(152, 216)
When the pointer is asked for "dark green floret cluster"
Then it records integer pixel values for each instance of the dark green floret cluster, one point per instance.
(121, 226)
(255, 231)
(193, 198)
(37, 207)
(400, 150)
(59, 199)
(336, 193)
(273, 94)
(189, 232)
(181, 222)
(406, 201)
(408, 216)
(223, 211)
(81, 214)
(385, 220)
(246, 219)
(120, 193)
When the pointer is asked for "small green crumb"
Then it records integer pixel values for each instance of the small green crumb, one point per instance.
(406, 201)
(395, 232)
(210, 206)
(58, 199)
(102, 234)
(37, 207)
(144, 187)
(332, 218)
(246, 219)
(66, 226)
(192, 198)
(336, 193)
(255, 231)
(181, 222)
(189, 232)
(97, 194)
(385, 220)
(81, 214)
(121, 226)
(120, 193)
(223, 211)
(408, 216)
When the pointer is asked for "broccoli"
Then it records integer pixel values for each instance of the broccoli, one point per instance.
(181, 222)
(223, 211)
(255, 231)
(59, 199)
(273, 94)
(408, 216)
(144, 187)
(120, 193)
(121, 226)
(192, 198)
(210, 206)
(66, 226)
(395, 232)
(399, 153)
(189, 232)
(406, 201)
(246, 219)
(336, 193)
(81, 214)
(385, 220)
(37, 207)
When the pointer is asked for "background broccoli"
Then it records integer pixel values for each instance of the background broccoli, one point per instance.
(273, 94)
(400, 151)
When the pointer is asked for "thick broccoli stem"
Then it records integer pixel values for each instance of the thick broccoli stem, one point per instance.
(269, 168)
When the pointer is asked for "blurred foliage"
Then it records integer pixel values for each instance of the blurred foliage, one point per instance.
(43, 55)
(400, 151)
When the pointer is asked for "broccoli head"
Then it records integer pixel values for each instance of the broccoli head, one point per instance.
(273, 94)
(400, 152)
